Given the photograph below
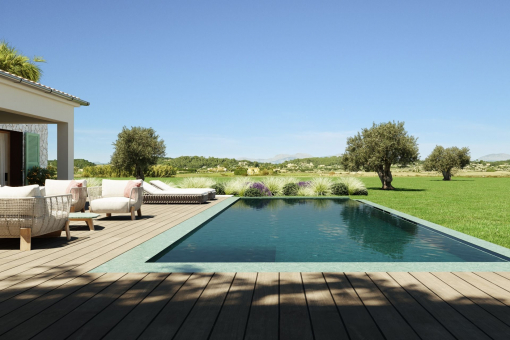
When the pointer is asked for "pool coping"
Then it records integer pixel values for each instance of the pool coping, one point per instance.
(134, 260)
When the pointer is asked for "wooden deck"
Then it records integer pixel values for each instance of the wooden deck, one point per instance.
(47, 294)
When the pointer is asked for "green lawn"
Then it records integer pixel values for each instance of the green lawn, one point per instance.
(476, 206)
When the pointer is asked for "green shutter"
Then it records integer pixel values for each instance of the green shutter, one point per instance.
(31, 150)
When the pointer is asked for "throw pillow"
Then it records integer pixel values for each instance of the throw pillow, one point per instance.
(130, 185)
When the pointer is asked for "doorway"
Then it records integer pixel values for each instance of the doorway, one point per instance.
(4, 158)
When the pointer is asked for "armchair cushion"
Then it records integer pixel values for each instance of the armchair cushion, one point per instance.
(61, 187)
(114, 188)
(111, 205)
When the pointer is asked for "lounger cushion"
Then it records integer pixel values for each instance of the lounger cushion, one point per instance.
(151, 189)
(111, 205)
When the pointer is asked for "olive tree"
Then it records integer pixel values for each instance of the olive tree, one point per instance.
(136, 149)
(446, 160)
(378, 148)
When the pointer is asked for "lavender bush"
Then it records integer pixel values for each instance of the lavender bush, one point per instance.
(262, 188)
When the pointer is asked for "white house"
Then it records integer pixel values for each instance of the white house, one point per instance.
(26, 109)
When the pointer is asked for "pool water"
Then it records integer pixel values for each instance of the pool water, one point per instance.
(317, 230)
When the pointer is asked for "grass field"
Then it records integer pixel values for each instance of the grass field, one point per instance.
(476, 206)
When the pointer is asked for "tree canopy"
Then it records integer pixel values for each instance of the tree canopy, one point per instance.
(378, 147)
(445, 160)
(136, 149)
(11, 60)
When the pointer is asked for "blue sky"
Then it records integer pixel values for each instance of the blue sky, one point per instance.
(258, 78)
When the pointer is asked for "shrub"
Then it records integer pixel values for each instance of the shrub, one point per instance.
(241, 172)
(103, 171)
(339, 189)
(38, 175)
(305, 191)
(219, 187)
(274, 184)
(262, 188)
(354, 186)
(236, 186)
(252, 192)
(321, 186)
(161, 170)
(290, 189)
(197, 182)
(93, 182)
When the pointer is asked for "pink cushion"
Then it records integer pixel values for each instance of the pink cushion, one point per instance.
(130, 185)
(74, 184)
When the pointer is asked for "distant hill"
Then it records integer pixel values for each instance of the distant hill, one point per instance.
(495, 157)
(279, 158)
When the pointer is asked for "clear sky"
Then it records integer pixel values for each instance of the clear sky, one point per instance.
(257, 78)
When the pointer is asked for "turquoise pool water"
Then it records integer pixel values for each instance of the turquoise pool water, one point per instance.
(317, 230)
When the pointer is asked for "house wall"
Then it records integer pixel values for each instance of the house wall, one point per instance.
(41, 130)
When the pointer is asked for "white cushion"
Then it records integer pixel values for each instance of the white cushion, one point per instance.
(113, 188)
(111, 205)
(161, 185)
(43, 191)
(151, 189)
(59, 186)
(20, 192)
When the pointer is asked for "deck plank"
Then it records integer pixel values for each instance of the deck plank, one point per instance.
(294, 317)
(72, 321)
(141, 316)
(357, 319)
(41, 321)
(166, 324)
(200, 321)
(264, 318)
(420, 320)
(486, 286)
(104, 321)
(457, 324)
(325, 318)
(470, 310)
(487, 302)
(23, 307)
(231, 323)
(387, 317)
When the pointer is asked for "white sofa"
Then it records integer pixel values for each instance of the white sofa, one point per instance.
(25, 213)
(60, 187)
(109, 198)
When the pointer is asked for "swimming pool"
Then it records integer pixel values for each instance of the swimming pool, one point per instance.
(298, 234)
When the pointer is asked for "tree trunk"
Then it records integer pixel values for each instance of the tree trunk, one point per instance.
(385, 177)
(139, 173)
(447, 175)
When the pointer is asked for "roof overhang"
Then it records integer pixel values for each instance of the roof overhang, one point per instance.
(41, 87)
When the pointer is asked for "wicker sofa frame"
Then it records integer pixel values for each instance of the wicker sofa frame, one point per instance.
(174, 198)
(34, 216)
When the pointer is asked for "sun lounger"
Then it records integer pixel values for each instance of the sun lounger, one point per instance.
(151, 194)
(165, 187)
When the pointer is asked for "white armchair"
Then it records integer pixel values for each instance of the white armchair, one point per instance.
(110, 198)
(62, 187)
(24, 213)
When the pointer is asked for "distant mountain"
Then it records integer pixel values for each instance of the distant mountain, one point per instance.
(99, 163)
(495, 157)
(278, 158)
